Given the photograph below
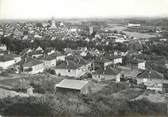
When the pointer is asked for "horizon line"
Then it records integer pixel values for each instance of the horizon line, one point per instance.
(98, 17)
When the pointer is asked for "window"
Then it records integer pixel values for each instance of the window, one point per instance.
(69, 70)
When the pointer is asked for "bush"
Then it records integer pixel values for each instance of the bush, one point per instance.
(144, 106)
(33, 106)
(50, 71)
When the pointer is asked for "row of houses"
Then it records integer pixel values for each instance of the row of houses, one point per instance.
(153, 80)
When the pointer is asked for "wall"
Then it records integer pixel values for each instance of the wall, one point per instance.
(17, 59)
(60, 58)
(117, 60)
(35, 69)
(105, 77)
(50, 63)
(141, 65)
(6, 64)
(85, 89)
(66, 90)
(66, 72)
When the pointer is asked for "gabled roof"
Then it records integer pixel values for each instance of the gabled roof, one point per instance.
(8, 57)
(72, 84)
(47, 58)
(77, 59)
(56, 54)
(68, 65)
(108, 71)
(5, 58)
(72, 62)
(32, 62)
(150, 74)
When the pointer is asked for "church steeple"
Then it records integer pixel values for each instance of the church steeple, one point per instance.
(53, 25)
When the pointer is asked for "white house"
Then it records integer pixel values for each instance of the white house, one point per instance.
(117, 60)
(39, 49)
(133, 25)
(49, 61)
(73, 68)
(152, 79)
(3, 47)
(33, 66)
(8, 60)
(141, 65)
(30, 91)
(120, 40)
(58, 56)
(15, 57)
(108, 73)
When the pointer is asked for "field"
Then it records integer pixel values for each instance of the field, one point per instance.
(131, 34)
(139, 35)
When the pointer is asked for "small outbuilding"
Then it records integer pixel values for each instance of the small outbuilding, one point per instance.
(72, 86)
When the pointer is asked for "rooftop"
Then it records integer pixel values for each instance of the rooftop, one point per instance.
(5, 58)
(72, 62)
(32, 62)
(108, 71)
(150, 74)
(72, 84)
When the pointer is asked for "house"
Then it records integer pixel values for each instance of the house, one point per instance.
(59, 56)
(37, 54)
(108, 73)
(17, 58)
(72, 86)
(152, 79)
(133, 25)
(141, 65)
(26, 51)
(114, 59)
(8, 60)
(120, 40)
(117, 59)
(3, 47)
(94, 52)
(49, 61)
(30, 91)
(165, 87)
(73, 66)
(107, 62)
(33, 66)
(50, 51)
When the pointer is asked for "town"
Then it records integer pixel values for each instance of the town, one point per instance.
(86, 66)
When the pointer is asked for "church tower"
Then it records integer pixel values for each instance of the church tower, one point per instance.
(53, 25)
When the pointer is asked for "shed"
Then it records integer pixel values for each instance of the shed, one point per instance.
(72, 86)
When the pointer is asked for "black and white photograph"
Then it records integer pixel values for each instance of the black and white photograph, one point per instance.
(83, 58)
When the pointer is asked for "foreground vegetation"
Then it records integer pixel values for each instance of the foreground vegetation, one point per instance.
(102, 103)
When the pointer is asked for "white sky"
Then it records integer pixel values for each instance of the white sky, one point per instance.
(16, 9)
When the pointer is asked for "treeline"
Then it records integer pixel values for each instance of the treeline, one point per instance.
(63, 105)
(17, 46)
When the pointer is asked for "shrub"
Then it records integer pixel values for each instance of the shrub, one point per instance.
(50, 71)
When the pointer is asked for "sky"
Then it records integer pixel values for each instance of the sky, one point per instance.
(39, 9)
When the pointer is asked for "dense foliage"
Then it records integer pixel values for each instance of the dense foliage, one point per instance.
(98, 104)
